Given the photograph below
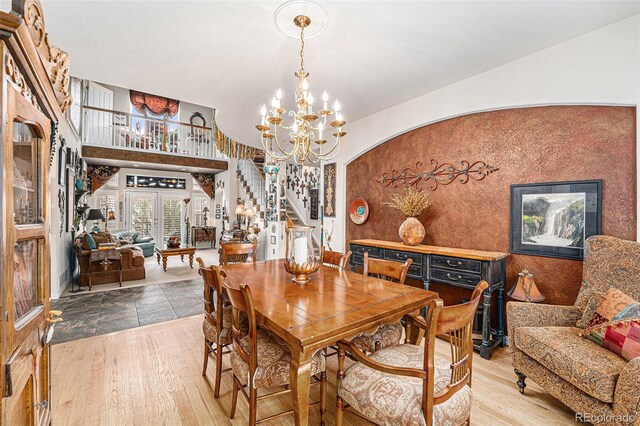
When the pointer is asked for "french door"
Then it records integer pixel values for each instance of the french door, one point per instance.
(156, 214)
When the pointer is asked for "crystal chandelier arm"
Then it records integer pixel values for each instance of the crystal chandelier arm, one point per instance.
(282, 150)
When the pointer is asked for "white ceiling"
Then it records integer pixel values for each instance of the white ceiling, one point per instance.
(230, 55)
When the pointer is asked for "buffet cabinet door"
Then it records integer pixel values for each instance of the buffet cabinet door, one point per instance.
(26, 258)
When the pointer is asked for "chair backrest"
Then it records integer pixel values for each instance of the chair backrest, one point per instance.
(455, 322)
(386, 269)
(609, 261)
(335, 259)
(213, 294)
(238, 252)
(242, 301)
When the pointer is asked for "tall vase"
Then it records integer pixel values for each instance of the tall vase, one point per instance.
(412, 232)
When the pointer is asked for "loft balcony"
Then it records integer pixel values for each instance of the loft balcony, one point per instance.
(119, 138)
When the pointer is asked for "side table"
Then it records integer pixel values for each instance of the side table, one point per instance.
(105, 258)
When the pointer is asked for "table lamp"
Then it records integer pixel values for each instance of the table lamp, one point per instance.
(97, 216)
(205, 210)
(525, 289)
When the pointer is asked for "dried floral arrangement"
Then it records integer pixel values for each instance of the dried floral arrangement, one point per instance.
(410, 202)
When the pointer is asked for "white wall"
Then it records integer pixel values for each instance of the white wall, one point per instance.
(601, 67)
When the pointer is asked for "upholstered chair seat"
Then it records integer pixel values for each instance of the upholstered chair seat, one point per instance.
(274, 360)
(591, 368)
(384, 336)
(209, 329)
(388, 399)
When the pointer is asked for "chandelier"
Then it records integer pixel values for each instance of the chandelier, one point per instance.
(307, 131)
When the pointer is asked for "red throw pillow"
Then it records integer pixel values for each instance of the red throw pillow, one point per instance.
(616, 324)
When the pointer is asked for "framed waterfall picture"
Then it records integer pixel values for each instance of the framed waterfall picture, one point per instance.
(554, 219)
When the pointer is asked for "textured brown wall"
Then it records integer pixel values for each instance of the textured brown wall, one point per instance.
(545, 144)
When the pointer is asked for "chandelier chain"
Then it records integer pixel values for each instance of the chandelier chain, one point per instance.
(302, 46)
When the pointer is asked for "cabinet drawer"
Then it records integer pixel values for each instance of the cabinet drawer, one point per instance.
(415, 271)
(456, 278)
(373, 251)
(402, 256)
(456, 263)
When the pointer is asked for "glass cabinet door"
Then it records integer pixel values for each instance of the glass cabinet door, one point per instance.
(26, 280)
(27, 181)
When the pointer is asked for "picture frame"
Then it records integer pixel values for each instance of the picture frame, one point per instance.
(62, 163)
(553, 219)
(329, 176)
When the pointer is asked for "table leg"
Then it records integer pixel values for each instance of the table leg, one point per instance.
(300, 379)
(164, 263)
(182, 257)
(158, 257)
(191, 261)
(485, 348)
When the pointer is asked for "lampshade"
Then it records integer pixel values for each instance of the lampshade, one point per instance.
(525, 289)
(95, 214)
(112, 215)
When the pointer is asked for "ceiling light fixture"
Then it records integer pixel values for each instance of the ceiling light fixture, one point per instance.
(307, 139)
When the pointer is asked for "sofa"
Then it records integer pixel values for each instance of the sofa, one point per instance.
(600, 386)
(132, 261)
(131, 237)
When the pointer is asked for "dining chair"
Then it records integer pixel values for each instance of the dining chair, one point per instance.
(261, 359)
(427, 388)
(388, 334)
(233, 253)
(217, 321)
(335, 259)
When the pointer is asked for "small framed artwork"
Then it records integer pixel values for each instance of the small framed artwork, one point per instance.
(283, 216)
(554, 219)
(62, 163)
(273, 240)
(283, 204)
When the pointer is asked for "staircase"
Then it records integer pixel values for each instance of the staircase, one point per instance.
(251, 179)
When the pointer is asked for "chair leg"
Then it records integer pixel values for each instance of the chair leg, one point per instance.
(206, 357)
(323, 396)
(521, 378)
(234, 398)
(253, 405)
(339, 408)
(216, 392)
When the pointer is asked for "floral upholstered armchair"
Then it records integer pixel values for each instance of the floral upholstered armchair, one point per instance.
(595, 382)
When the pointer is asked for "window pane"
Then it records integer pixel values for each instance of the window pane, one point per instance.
(26, 175)
(25, 277)
(141, 216)
(171, 218)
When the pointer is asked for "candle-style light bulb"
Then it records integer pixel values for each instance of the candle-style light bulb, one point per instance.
(263, 113)
(336, 106)
(325, 99)
(274, 102)
(310, 104)
(279, 94)
(295, 127)
(305, 85)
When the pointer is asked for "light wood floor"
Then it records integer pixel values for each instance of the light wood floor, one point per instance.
(151, 375)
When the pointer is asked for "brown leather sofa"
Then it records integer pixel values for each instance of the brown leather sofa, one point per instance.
(132, 261)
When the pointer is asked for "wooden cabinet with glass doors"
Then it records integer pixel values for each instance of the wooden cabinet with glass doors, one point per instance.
(33, 95)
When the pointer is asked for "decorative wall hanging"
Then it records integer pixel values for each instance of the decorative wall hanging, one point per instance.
(313, 204)
(206, 182)
(62, 206)
(52, 147)
(136, 181)
(440, 174)
(100, 175)
(359, 211)
(554, 219)
(157, 105)
(330, 190)
(220, 185)
(62, 162)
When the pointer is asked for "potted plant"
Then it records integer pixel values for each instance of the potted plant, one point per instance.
(411, 203)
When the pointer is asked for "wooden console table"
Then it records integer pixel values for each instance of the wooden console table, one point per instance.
(203, 233)
(450, 266)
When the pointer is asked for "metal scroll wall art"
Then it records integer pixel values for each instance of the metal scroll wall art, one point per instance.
(439, 174)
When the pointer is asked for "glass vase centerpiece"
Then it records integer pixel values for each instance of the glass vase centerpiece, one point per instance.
(300, 256)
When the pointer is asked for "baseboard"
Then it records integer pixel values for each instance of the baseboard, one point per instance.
(55, 296)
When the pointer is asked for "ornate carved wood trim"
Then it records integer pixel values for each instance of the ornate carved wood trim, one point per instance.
(206, 182)
(17, 80)
(54, 60)
(100, 175)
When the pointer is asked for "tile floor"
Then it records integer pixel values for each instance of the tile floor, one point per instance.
(95, 313)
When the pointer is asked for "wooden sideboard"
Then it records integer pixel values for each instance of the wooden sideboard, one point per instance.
(203, 233)
(462, 268)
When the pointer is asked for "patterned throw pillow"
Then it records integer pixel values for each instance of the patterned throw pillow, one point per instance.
(91, 243)
(615, 324)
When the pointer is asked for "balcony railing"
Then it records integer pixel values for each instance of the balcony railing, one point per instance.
(117, 129)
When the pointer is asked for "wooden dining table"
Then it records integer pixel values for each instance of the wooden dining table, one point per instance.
(333, 305)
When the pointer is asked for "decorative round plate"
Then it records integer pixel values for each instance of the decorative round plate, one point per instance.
(359, 211)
